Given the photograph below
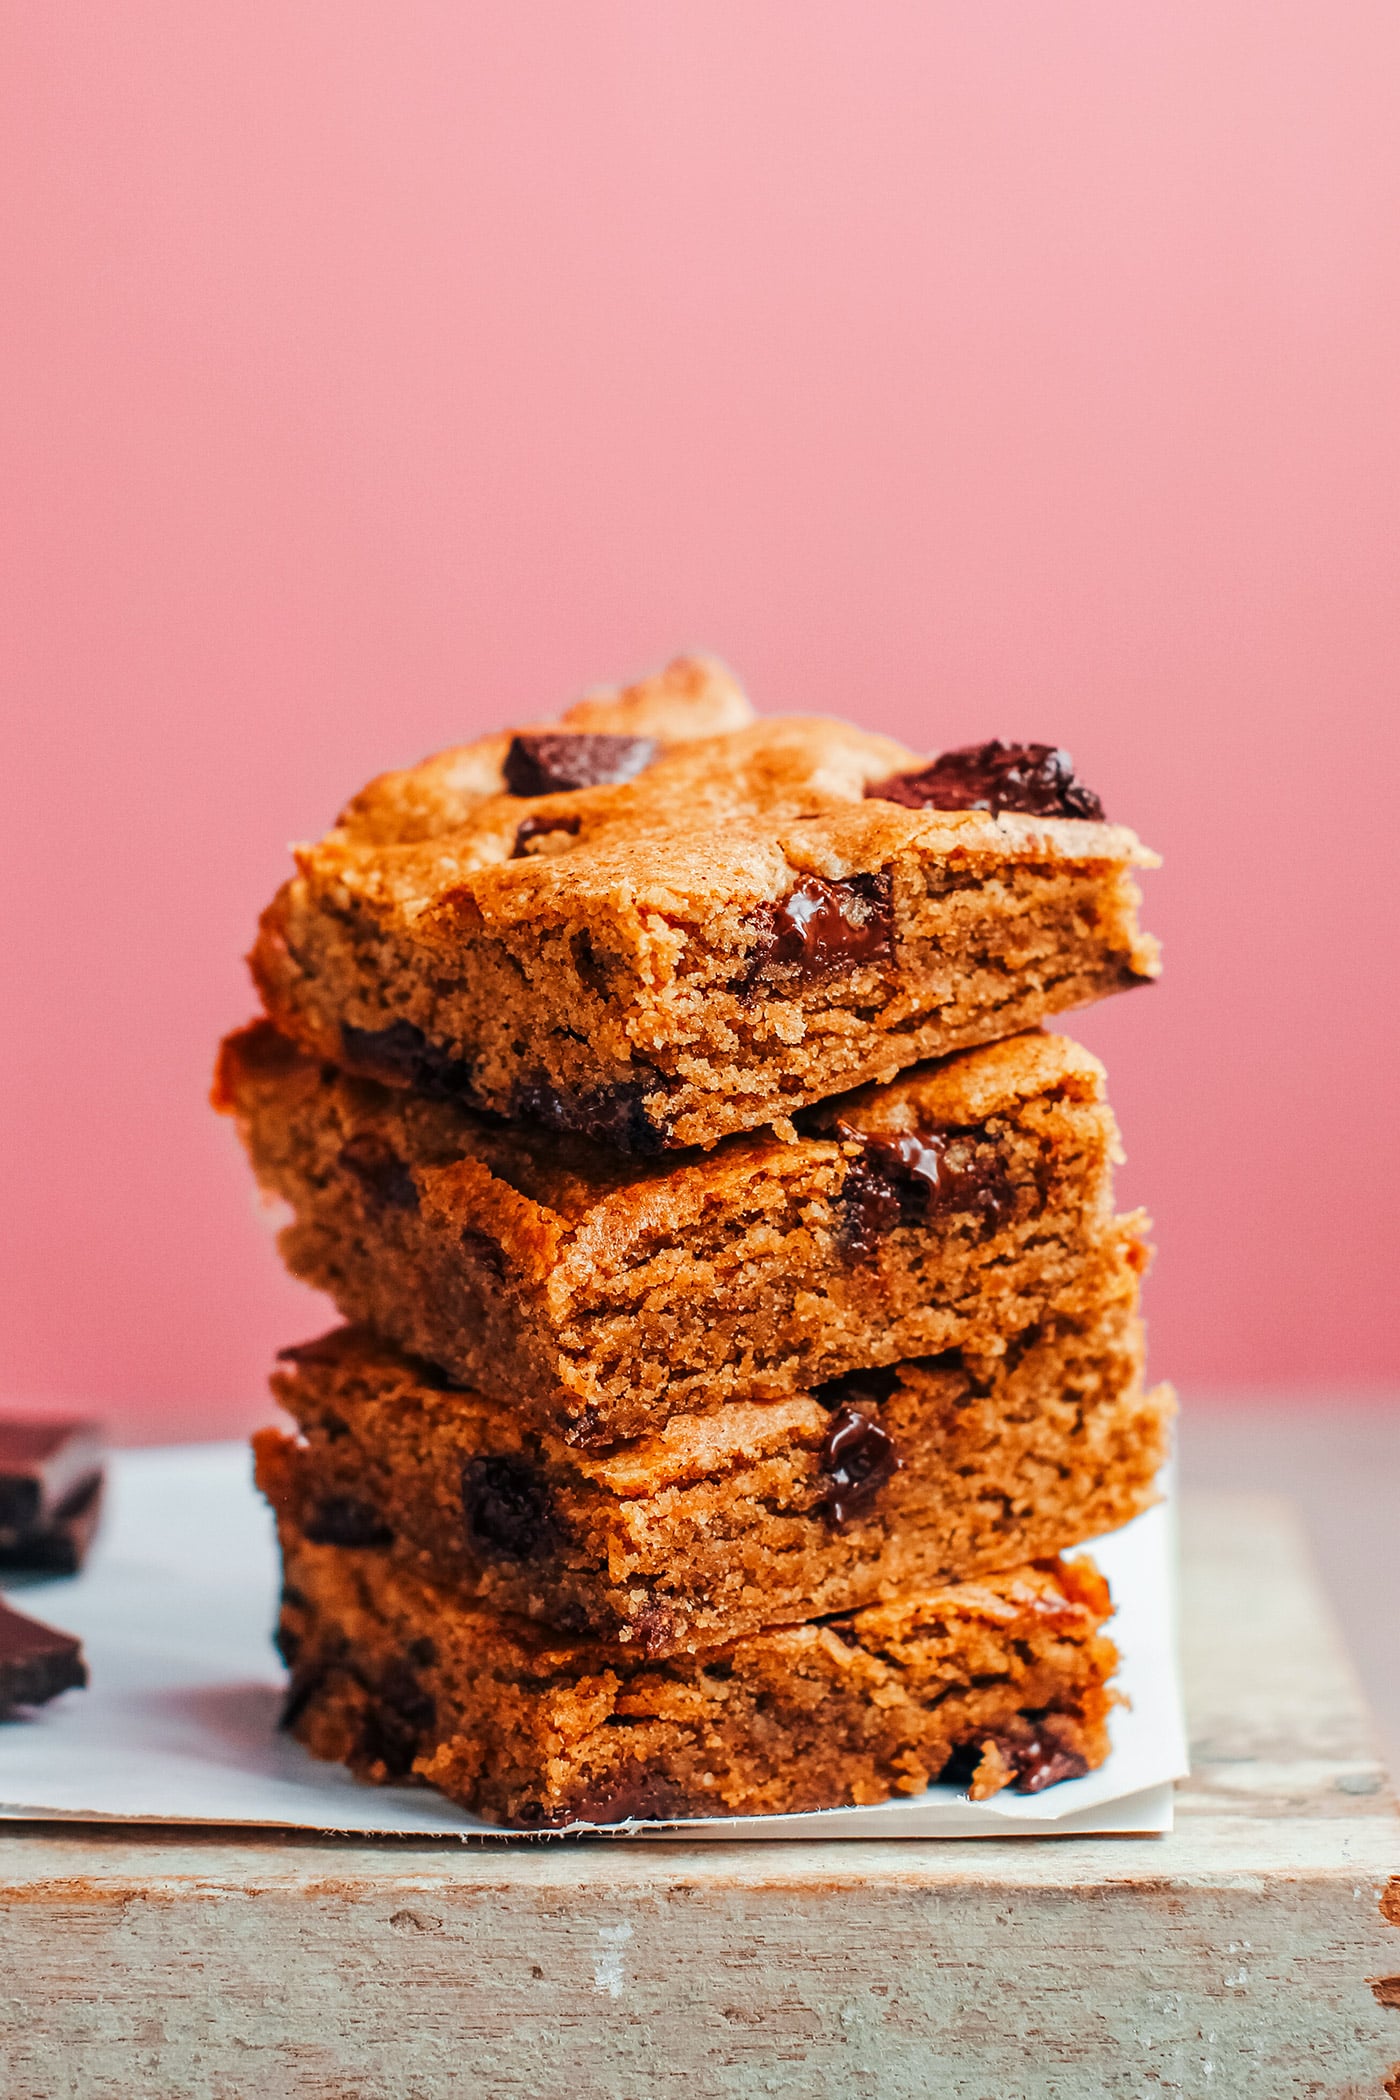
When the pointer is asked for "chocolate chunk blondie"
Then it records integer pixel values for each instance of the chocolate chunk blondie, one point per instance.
(599, 1295)
(660, 921)
(759, 1515)
(999, 1682)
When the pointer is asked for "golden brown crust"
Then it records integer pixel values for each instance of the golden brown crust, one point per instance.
(618, 972)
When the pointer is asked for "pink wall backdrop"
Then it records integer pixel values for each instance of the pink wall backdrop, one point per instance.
(378, 372)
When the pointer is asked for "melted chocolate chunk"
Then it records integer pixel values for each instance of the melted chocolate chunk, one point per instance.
(1035, 779)
(616, 1115)
(554, 762)
(36, 1661)
(822, 926)
(858, 1457)
(385, 1178)
(343, 1520)
(915, 1176)
(402, 1054)
(541, 827)
(508, 1509)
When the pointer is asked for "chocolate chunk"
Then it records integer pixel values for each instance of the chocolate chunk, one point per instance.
(1040, 1764)
(1035, 779)
(60, 1545)
(915, 1176)
(822, 926)
(541, 827)
(385, 1178)
(481, 1248)
(508, 1509)
(344, 1520)
(858, 1457)
(402, 1054)
(871, 1207)
(555, 762)
(50, 1493)
(615, 1115)
(36, 1661)
(632, 1795)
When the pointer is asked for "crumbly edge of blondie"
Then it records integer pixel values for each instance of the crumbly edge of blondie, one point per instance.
(1002, 1681)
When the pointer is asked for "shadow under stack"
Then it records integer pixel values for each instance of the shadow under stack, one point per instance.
(740, 1328)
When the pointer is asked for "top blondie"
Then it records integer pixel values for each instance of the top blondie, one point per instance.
(662, 919)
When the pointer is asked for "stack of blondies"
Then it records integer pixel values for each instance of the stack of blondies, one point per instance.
(741, 1325)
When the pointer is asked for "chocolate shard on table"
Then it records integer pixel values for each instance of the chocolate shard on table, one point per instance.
(51, 1483)
(758, 1515)
(37, 1662)
(598, 1295)
(661, 920)
(988, 1684)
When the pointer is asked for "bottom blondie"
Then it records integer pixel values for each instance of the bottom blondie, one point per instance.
(994, 1683)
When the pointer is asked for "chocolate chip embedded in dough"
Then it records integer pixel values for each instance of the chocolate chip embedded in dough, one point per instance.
(911, 1176)
(822, 926)
(616, 1114)
(858, 1457)
(402, 1054)
(1034, 779)
(344, 1520)
(509, 1514)
(554, 762)
(542, 826)
(385, 1178)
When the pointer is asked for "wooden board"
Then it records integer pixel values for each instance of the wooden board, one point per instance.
(1250, 1955)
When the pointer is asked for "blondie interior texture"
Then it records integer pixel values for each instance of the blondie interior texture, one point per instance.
(599, 1295)
(759, 1515)
(660, 920)
(1000, 1682)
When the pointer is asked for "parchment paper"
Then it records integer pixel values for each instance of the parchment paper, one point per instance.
(175, 1609)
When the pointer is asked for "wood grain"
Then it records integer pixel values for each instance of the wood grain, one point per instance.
(1250, 1955)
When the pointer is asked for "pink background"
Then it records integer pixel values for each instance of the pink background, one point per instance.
(385, 371)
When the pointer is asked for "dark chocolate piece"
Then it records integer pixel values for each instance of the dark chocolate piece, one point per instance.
(58, 1546)
(858, 1457)
(508, 1509)
(615, 1115)
(540, 827)
(402, 1054)
(1040, 1764)
(822, 926)
(50, 1493)
(394, 1725)
(385, 1178)
(36, 1661)
(1035, 779)
(343, 1520)
(42, 1464)
(555, 762)
(917, 1175)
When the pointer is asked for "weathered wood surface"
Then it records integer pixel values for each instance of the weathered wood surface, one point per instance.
(1246, 1956)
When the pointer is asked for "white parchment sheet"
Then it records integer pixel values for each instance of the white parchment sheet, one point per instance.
(175, 1609)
